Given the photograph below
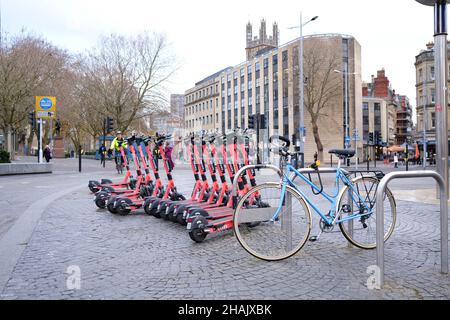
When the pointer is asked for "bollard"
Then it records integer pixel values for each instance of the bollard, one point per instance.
(380, 216)
(79, 159)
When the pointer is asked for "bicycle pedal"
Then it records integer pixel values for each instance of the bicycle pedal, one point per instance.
(313, 238)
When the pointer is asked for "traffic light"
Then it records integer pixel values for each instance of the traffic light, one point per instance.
(251, 121)
(378, 138)
(262, 123)
(109, 124)
(371, 138)
(32, 119)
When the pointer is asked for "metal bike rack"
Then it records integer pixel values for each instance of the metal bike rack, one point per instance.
(380, 216)
(250, 167)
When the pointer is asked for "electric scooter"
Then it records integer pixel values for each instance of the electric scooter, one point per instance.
(165, 208)
(103, 197)
(201, 222)
(125, 203)
(128, 182)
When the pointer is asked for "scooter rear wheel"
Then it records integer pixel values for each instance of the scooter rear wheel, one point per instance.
(100, 203)
(122, 206)
(111, 207)
(197, 231)
(100, 199)
(154, 208)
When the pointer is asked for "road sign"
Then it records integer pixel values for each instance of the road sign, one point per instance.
(45, 107)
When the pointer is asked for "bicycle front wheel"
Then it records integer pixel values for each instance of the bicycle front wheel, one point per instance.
(359, 202)
(265, 234)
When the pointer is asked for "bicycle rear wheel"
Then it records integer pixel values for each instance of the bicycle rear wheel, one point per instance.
(361, 232)
(272, 240)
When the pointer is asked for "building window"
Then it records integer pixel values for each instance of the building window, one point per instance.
(432, 73)
(433, 95)
(433, 120)
(420, 74)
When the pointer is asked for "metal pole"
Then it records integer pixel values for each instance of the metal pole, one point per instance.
(79, 158)
(407, 156)
(356, 148)
(104, 142)
(425, 119)
(302, 97)
(441, 72)
(368, 158)
(257, 118)
(374, 156)
(379, 211)
(40, 141)
(347, 132)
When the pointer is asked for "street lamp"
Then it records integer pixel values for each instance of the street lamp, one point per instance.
(302, 133)
(441, 110)
(425, 117)
(346, 112)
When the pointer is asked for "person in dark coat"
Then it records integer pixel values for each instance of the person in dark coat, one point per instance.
(168, 153)
(47, 153)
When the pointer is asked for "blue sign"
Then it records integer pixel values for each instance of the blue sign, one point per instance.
(46, 103)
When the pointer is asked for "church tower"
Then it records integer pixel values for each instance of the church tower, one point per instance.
(257, 46)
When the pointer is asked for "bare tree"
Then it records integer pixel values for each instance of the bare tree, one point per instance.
(125, 77)
(323, 85)
(28, 65)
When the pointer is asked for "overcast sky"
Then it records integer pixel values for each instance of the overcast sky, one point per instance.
(209, 35)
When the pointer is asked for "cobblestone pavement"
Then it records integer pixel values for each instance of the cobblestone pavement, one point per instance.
(141, 257)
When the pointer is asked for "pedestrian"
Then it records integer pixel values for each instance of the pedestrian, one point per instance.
(156, 156)
(395, 161)
(47, 153)
(168, 153)
(102, 152)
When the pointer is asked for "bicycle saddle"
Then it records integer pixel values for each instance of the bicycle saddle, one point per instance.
(346, 153)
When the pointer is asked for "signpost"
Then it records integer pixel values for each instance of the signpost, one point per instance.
(356, 139)
(45, 109)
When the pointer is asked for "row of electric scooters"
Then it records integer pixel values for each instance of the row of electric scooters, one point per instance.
(211, 205)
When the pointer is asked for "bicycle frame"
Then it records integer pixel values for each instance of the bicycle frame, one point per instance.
(333, 199)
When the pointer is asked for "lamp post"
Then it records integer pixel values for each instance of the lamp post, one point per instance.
(441, 109)
(425, 118)
(345, 73)
(301, 77)
(441, 78)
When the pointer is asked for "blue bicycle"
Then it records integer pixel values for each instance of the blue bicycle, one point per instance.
(282, 229)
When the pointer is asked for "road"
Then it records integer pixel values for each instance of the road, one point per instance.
(46, 230)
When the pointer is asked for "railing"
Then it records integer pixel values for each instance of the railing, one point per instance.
(380, 216)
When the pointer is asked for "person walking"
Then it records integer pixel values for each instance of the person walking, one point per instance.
(47, 153)
(395, 161)
(168, 153)
(102, 152)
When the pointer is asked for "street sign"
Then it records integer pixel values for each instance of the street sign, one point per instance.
(45, 107)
